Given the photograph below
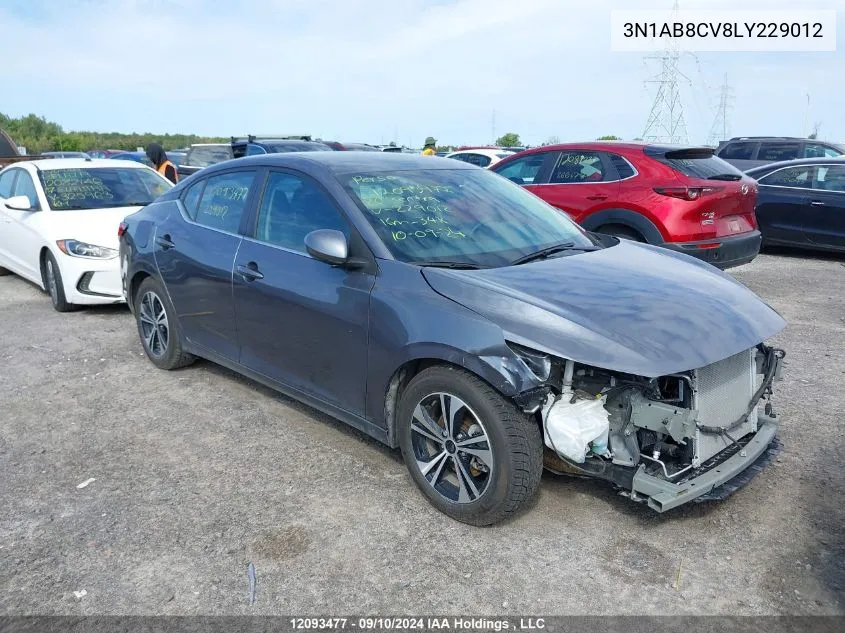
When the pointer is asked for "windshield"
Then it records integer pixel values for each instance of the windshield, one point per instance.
(466, 216)
(101, 187)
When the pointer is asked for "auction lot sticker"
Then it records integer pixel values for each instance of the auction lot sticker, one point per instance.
(711, 30)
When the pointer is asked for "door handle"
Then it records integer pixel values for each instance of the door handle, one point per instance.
(597, 197)
(250, 272)
(165, 242)
(817, 203)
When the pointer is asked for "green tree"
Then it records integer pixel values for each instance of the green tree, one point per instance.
(609, 137)
(511, 139)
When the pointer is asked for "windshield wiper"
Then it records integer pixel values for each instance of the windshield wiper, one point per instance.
(543, 253)
(725, 177)
(455, 265)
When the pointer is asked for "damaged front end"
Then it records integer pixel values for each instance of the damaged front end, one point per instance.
(689, 436)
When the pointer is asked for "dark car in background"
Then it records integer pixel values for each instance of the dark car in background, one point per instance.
(682, 198)
(441, 309)
(252, 146)
(176, 157)
(201, 155)
(802, 203)
(104, 153)
(746, 152)
(351, 147)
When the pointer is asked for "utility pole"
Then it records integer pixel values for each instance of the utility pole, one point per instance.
(665, 123)
(719, 129)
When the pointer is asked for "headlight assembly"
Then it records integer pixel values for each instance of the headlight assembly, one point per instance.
(539, 363)
(75, 248)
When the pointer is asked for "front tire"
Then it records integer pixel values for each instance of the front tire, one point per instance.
(622, 232)
(472, 453)
(158, 327)
(54, 285)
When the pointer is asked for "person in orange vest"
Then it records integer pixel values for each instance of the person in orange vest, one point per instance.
(157, 156)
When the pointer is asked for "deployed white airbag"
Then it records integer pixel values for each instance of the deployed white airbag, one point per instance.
(572, 429)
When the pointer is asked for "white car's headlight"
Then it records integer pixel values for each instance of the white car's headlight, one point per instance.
(75, 248)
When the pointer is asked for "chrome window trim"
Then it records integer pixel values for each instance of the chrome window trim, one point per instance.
(285, 249)
(760, 182)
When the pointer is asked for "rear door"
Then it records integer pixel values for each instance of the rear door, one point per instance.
(824, 217)
(195, 250)
(530, 170)
(581, 182)
(783, 202)
(301, 321)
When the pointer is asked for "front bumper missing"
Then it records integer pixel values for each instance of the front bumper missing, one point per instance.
(664, 495)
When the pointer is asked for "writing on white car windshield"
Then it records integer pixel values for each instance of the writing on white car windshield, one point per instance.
(101, 187)
(461, 216)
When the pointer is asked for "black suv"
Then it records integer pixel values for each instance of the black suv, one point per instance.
(745, 152)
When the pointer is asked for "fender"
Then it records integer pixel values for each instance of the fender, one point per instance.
(625, 217)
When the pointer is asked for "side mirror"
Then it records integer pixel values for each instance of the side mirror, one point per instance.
(19, 203)
(328, 246)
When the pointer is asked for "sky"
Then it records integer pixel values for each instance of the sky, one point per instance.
(381, 70)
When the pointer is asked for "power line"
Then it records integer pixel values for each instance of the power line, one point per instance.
(719, 130)
(665, 123)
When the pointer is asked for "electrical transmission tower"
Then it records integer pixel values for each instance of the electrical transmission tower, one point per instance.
(719, 129)
(665, 122)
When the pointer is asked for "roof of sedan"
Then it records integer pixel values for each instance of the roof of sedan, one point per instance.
(345, 162)
(796, 163)
(82, 163)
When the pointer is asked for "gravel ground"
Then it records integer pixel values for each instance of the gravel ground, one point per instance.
(199, 472)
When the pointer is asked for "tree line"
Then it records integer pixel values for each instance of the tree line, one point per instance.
(37, 135)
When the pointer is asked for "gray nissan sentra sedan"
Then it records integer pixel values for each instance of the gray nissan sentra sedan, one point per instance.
(444, 310)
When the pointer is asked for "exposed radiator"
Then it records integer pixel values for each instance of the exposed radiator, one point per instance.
(721, 394)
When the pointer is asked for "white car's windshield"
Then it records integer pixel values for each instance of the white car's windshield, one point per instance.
(101, 187)
(465, 216)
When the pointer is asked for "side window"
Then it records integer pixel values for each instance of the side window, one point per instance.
(577, 167)
(801, 177)
(291, 208)
(738, 151)
(622, 166)
(830, 178)
(224, 199)
(464, 158)
(191, 198)
(252, 150)
(523, 171)
(815, 150)
(25, 187)
(7, 179)
(776, 152)
(478, 159)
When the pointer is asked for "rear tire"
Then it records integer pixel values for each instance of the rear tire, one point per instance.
(622, 232)
(482, 461)
(54, 285)
(158, 327)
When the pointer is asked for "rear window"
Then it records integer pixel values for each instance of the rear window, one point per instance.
(695, 163)
(206, 155)
(302, 146)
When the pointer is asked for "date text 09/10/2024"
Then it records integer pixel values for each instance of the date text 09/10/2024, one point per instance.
(419, 623)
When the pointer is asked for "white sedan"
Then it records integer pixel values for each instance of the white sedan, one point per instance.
(59, 221)
(481, 156)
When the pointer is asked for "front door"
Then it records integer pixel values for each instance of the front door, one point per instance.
(195, 249)
(301, 321)
(783, 200)
(824, 217)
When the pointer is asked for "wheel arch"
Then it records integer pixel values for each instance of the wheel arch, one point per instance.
(503, 373)
(627, 218)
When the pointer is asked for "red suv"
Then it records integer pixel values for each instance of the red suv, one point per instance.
(681, 198)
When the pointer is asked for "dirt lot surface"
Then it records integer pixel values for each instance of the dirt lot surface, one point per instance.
(194, 474)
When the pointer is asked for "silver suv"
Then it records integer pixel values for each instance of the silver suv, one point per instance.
(746, 152)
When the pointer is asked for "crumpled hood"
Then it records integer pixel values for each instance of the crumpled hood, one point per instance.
(93, 226)
(631, 308)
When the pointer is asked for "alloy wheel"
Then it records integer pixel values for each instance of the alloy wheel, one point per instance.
(52, 285)
(155, 329)
(451, 447)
